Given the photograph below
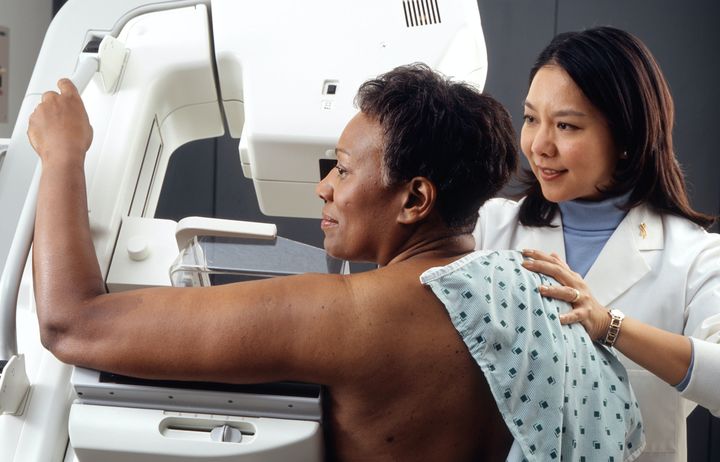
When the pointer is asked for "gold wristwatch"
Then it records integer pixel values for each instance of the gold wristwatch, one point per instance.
(616, 319)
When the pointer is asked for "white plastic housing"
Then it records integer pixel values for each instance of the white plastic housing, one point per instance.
(276, 60)
(117, 434)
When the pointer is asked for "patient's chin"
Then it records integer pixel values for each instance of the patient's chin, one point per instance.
(337, 254)
(336, 251)
(330, 249)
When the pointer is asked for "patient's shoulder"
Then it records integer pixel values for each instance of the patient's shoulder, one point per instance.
(390, 290)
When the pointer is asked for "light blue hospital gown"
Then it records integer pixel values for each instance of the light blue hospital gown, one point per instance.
(562, 396)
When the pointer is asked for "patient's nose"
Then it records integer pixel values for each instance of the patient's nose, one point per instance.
(324, 188)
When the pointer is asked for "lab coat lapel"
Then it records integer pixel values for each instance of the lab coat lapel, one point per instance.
(546, 238)
(620, 263)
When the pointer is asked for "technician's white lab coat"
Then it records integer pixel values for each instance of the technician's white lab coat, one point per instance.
(669, 277)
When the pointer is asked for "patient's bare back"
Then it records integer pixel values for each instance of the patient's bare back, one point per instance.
(411, 391)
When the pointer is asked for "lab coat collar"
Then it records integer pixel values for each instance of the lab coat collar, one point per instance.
(546, 238)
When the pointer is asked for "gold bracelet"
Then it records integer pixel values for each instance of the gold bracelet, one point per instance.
(616, 319)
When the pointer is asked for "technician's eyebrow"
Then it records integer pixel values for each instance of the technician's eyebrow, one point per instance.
(560, 113)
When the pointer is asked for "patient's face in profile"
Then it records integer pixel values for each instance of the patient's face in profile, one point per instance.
(359, 207)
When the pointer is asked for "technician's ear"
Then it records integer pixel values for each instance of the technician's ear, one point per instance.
(420, 195)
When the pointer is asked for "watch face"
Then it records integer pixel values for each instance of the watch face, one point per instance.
(617, 314)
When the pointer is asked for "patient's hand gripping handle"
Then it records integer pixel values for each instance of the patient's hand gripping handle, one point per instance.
(20, 249)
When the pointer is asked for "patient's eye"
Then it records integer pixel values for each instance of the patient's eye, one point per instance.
(528, 119)
(341, 170)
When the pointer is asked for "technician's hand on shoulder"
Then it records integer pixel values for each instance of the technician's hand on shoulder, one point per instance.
(59, 129)
(586, 309)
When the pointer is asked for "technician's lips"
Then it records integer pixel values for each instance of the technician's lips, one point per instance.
(549, 174)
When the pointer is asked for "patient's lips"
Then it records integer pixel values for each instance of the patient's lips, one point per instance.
(327, 222)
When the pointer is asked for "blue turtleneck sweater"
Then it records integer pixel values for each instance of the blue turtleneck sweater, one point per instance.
(587, 226)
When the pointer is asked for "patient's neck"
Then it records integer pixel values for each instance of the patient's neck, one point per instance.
(441, 244)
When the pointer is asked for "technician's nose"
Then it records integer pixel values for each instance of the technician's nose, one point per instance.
(542, 143)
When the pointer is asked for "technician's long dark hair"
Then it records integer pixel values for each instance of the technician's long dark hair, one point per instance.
(621, 78)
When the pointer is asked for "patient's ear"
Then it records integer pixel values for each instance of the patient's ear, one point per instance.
(420, 195)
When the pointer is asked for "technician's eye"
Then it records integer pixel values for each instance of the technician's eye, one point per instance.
(528, 119)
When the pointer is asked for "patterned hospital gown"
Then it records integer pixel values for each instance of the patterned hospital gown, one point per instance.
(562, 396)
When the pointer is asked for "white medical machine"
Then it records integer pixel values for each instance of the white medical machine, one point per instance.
(280, 76)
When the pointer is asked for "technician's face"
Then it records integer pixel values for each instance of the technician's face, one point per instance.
(358, 206)
(566, 139)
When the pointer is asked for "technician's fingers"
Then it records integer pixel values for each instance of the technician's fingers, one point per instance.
(540, 255)
(574, 316)
(555, 271)
(565, 293)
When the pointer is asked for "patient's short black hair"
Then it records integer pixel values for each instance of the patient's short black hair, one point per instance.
(447, 131)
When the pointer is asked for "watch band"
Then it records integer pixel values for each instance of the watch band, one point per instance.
(616, 319)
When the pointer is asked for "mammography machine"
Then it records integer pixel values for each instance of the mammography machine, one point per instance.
(280, 77)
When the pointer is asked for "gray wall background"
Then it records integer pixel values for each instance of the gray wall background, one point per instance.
(27, 21)
(205, 178)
